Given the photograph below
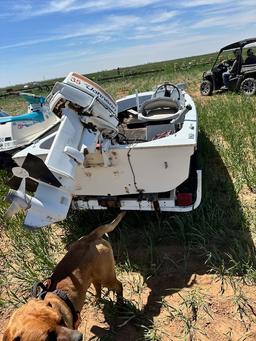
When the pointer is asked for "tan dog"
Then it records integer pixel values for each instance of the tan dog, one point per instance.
(55, 316)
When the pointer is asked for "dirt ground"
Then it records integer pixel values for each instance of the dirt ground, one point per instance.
(181, 301)
(217, 318)
(183, 304)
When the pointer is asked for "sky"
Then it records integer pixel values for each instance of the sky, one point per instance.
(44, 39)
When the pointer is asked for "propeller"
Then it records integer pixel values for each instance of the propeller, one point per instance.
(38, 172)
(32, 174)
(49, 204)
(18, 198)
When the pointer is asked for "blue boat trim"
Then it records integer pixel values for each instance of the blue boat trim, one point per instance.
(32, 99)
(36, 116)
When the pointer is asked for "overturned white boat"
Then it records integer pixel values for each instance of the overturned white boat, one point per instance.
(16, 132)
(138, 153)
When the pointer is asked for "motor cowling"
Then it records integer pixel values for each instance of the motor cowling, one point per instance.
(86, 98)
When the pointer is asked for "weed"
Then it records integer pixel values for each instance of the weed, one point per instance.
(188, 312)
(245, 310)
(26, 259)
(151, 333)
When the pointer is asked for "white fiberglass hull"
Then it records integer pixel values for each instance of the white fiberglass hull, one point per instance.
(17, 135)
(149, 167)
(19, 131)
(136, 169)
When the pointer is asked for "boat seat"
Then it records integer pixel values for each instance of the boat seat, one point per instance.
(32, 116)
(159, 109)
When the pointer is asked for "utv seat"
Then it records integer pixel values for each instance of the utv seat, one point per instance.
(248, 68)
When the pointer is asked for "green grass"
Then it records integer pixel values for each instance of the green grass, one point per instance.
(220, 233)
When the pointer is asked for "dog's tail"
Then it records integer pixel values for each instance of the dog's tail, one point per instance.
(101, 230)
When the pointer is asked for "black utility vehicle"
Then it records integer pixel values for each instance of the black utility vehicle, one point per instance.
(244, 81)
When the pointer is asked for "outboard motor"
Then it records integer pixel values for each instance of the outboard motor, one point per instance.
(88, 99)
(88, 116)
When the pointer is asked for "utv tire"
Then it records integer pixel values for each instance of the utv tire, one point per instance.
(248, 86)
(206, 88)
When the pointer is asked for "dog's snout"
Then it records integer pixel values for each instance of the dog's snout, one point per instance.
(77, 336)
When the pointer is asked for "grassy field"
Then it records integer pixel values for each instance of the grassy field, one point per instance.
(125, 72)
(186, 276)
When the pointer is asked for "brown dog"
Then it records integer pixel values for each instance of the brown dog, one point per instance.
(55, 316)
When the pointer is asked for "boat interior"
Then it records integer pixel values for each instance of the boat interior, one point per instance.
(160, 116)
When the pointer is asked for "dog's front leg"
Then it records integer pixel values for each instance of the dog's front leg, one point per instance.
(118, 287)
(97, 287)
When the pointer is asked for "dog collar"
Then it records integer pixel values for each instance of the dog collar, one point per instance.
(61, 294)
(39, 290)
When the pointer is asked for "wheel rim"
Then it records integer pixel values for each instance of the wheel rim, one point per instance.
(205, 88)
(249, 87)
